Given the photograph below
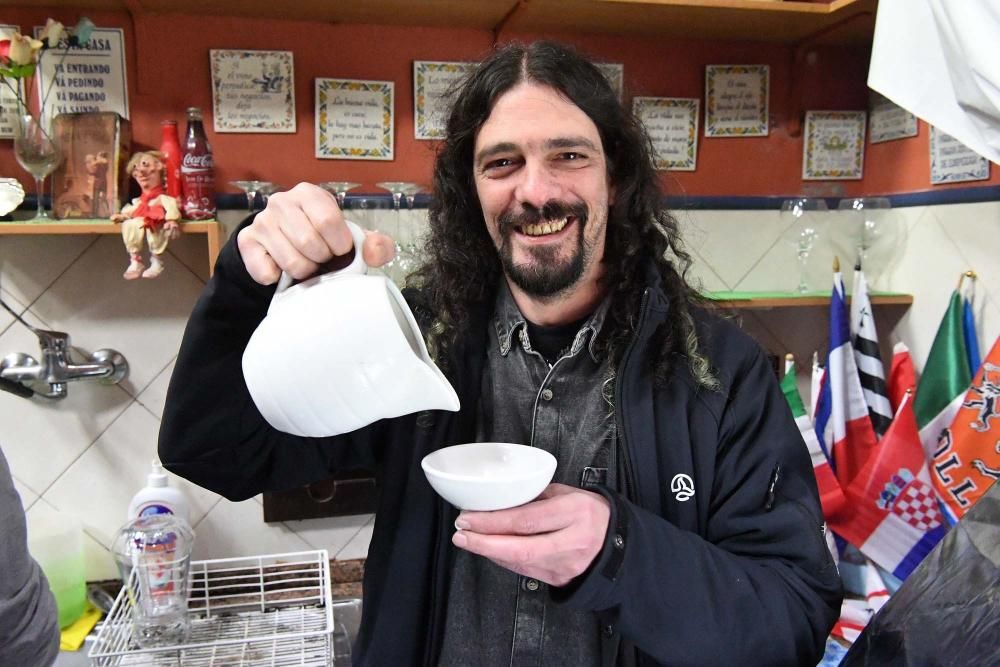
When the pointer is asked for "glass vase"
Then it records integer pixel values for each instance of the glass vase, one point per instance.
(38, 152)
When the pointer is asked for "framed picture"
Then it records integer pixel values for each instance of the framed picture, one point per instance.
(89, 78)
(8, 100)
(954, 162)
(354, 119)
(432, 80)
(615, 74)
(736, 100)
(888, 121)
(672, 125)
(833, 145)
(253, 91)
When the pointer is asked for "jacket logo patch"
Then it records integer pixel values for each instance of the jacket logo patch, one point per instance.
(682, 486)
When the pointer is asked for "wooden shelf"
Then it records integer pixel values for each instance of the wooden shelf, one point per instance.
(210, 228)
(790, 22)
(769, 300)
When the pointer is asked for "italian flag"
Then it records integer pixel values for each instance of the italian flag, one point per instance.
(831, 495)
(945, 379)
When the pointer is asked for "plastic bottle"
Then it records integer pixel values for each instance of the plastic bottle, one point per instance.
(158, 497)
(197, 170)
(170, 146)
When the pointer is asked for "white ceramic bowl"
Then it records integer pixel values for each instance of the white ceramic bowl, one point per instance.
(485, 476)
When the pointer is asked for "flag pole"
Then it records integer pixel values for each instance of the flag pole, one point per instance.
(836, 264)
(970, 274)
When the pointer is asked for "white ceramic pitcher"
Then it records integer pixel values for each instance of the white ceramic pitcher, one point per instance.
(340, 351)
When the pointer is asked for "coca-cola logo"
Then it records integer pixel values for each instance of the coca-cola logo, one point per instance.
(191, 161)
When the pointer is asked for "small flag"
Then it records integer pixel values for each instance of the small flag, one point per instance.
(902, 378)
(945, 379)
(896, 517)
(831, 496)
(815, 383)
(967, 460)
(842, 423)
(864, 339)
(968, 290)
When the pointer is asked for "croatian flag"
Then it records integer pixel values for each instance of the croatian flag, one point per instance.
(843, 426)
(896, 518)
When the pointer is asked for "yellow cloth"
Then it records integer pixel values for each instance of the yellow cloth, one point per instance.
(71, 638)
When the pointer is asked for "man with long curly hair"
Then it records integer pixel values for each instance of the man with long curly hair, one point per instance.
(683, 525)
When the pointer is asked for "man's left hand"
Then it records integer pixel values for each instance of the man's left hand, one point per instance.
(554, 538)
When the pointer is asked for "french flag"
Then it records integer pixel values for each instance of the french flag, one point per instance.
(896, 519)
(843, 426)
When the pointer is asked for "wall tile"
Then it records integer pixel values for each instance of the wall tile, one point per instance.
(358, 546)
(154, 395)
(30, 264)
(332, 534)
(28, 497)
(99, 485)
(231, 530)
(42, 437)
(142, 319)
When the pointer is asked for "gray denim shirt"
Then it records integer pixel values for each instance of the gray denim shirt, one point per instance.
(496, 617)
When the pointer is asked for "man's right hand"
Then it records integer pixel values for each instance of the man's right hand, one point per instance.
(298, 231)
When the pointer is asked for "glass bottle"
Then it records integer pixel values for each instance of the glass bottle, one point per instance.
(170, 146)
(197, 171)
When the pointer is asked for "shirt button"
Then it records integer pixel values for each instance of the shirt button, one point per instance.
(546, 394)
(532, 584)
(619, 541)
(609, 630)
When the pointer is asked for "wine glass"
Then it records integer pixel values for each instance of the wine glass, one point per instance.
(339, 189)
(267, 189)
(37, 151)
(411, 194)
(398, 189)
(404, 260)
(802, 232)
(868, 220)
(250, 188)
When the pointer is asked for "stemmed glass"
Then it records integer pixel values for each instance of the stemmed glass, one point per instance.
(403, 262)
(868, 215)
(339, 189)
(37, 151)
(250, 188)
(802, 231)
(411, 194)
(398, 189)
(266, 190)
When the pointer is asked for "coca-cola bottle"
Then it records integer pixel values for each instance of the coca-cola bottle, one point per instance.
(170, 146)
(197, 171)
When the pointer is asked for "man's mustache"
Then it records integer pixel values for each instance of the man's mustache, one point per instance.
(553, 210)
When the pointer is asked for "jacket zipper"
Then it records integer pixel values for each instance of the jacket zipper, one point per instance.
(630, 485)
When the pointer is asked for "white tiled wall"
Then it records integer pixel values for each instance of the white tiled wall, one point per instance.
(81, 459)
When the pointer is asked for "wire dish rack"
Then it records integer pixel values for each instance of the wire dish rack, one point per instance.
(272, 610)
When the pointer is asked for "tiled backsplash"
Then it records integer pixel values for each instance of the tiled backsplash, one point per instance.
(85, 456)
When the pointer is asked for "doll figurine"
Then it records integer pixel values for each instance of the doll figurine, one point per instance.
(153, 216)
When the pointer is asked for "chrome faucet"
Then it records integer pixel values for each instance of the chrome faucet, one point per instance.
(49, 378)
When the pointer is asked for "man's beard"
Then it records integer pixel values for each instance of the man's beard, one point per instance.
(547, 274)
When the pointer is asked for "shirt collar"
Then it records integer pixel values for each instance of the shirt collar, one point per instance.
(508, 320)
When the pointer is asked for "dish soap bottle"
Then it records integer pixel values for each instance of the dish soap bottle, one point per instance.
(158, 497)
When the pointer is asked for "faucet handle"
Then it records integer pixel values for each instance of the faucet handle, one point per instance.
(48, 340)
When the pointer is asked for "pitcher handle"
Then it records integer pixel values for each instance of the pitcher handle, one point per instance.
(357, 265)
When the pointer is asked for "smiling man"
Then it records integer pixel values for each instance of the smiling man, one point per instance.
(682, 525)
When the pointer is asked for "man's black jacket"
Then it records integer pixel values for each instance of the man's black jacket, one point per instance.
(736, 573)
